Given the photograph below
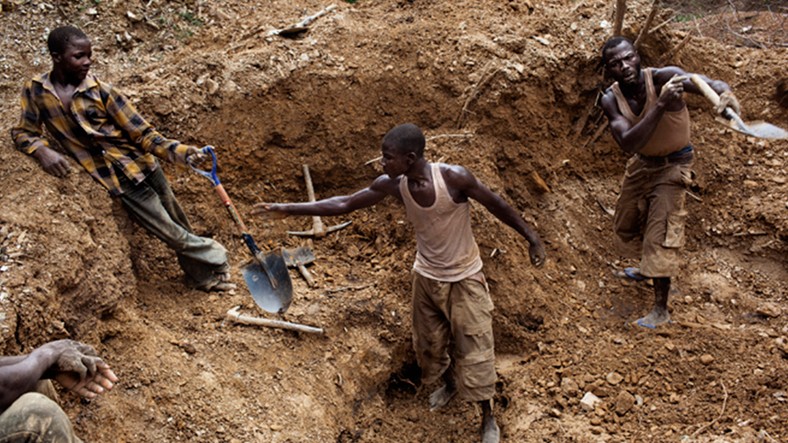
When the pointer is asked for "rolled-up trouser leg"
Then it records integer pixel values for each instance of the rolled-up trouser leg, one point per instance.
(35, 418)
(452, 328)
(154, 206)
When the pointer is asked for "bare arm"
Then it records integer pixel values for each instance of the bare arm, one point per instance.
(374, 193)
(460, 179)
(73, 364)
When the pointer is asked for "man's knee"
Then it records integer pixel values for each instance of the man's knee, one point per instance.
(36, 414)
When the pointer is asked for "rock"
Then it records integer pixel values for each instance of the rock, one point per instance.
(569, 386)
(768, 309)
(589, 401)
(624, 402)
(614, 378)
(706, 359)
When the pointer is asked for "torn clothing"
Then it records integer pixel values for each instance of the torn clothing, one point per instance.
(650, 215)
(153, 205)
(452, 331)
(101, 129)
(35, 417)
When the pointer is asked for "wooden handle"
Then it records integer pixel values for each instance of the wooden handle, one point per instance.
(318, 230)
(236, 316)
(704, 87)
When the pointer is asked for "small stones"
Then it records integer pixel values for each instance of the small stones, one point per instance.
(706, 359)
(614, 378)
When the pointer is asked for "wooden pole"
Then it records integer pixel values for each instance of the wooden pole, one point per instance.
(621, 7)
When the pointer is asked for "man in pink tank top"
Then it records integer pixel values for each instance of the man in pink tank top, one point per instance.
(452, 309)
(649, 119)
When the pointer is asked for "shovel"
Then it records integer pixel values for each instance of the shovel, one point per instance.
(266, 277)
(299, 258)
(754, 129)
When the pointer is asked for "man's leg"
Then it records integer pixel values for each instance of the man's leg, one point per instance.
(35, 418)
(432, 336)
(663, 237)
(474, 353)
(153, 205)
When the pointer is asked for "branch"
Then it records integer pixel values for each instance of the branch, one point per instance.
(621, 7)
(649, 19)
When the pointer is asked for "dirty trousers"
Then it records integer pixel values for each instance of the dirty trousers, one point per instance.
(154, 206)
(36, 418)
(650, 212)
(452, 330)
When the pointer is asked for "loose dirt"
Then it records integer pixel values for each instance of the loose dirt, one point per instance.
(506, 88)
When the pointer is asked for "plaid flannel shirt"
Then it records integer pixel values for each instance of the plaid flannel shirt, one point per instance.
(100, 129)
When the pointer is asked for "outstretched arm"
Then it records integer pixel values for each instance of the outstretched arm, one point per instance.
(374, 193)
(460, 179)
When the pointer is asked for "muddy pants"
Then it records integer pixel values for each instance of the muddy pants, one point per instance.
(36, 418)
(452, 330)
(650, 213)
(154, 206)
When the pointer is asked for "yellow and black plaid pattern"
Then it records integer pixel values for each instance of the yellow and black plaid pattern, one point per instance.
(100, 129)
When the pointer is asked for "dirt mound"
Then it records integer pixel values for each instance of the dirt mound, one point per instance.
(506, 88)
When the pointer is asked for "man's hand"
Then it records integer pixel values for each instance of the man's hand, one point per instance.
(52, 162)
(269, 211)
(194, 156)
(727, 100)
(537, 253)
(102, 379)
(672, 90)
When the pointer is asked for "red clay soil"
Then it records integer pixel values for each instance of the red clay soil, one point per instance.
(506, 88)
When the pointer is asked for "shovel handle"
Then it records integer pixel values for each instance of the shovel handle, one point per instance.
(704, 87)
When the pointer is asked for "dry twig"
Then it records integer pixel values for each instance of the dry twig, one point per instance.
(476, 90)
(722, 411)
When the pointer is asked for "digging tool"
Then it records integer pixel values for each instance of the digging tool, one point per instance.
(266, 277)
(299, 258)
(302, 26)
(235, 315)
(318, 229)
(755, 129)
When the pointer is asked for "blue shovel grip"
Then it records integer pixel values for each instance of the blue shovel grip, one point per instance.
(210, 175)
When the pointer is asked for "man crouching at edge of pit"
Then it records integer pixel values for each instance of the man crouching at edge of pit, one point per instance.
(98, 126)
(649, 119)
(452, 308)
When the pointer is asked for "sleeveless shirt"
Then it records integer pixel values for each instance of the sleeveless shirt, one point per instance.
(673, 130)
(445, 247)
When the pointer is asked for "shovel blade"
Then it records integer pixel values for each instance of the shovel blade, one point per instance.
(766, 130)
(274, 298)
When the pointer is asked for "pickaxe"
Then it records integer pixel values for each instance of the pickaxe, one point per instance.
(318, 229)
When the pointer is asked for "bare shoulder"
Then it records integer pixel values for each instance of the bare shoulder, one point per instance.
(457, 176)
(386, 184)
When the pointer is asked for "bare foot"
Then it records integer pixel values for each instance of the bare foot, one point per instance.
(441, 397)
(658, 316)
(490, 431)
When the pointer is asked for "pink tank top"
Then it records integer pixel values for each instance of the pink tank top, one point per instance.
(445, 247)
(673, 130)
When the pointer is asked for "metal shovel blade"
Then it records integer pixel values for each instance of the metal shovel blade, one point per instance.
(266, 296)
(755, 129)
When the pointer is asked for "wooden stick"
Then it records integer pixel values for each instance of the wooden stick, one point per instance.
(596, 135)
(722, 411)
(235, 315)
(647, 24)
(484, 80)
(621, 8)
(662, 25)
(675, 49)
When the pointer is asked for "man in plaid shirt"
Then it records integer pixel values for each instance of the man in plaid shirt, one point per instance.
(100, 128)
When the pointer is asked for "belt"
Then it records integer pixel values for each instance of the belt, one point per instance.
(681, 156)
